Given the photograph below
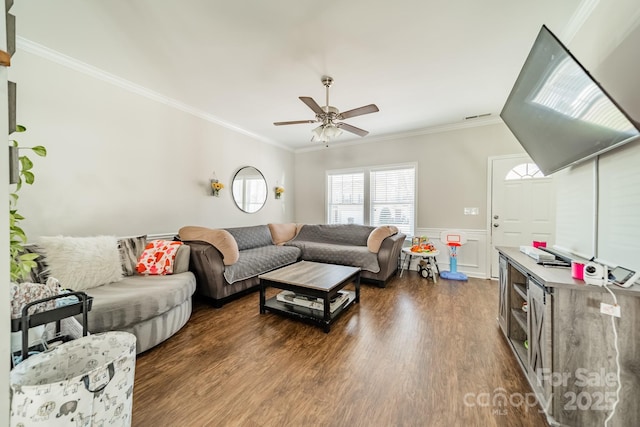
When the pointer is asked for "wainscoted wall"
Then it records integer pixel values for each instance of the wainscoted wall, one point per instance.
(472, 257)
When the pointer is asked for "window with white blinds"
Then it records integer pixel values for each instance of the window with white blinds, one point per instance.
(373, 196)
(393, 198)
(345, 198)
(619, 207)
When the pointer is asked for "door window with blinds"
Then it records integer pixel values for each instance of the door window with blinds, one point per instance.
(373, 196)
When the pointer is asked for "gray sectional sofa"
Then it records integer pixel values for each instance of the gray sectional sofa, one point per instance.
(227, 262)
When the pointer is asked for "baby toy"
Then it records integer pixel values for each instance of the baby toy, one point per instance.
(453, 239)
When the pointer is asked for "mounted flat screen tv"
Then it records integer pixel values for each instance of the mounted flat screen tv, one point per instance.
(559, 113)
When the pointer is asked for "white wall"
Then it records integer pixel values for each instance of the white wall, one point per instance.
(120, 163)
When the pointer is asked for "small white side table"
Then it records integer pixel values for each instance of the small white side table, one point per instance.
(429, 270)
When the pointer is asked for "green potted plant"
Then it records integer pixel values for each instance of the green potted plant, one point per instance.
(21, 262)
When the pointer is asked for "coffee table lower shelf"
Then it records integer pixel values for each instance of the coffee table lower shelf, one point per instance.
(308, 315)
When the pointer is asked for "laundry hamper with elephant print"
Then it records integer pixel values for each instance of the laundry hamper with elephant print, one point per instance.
(85, 382)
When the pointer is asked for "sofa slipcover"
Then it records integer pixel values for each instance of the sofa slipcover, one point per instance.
(337, 244)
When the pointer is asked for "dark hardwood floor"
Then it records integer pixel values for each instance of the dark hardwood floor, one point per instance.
(412, 354)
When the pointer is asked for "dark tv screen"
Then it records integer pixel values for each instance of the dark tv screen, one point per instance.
(559, 113)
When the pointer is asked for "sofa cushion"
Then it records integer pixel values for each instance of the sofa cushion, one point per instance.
(81, 263)
(378, 235)
(340, 234)
(137, 298)
(158, 257)
(253, 262)
(130, 250)
(281, 233)
(222, 240)
(251, 237)
(355, 256)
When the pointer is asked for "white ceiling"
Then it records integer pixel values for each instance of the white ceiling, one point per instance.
(424, 63)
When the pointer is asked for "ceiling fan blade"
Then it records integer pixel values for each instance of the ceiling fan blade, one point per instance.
(312, 104)
(352, 129)
(295, 122)
(371, 108)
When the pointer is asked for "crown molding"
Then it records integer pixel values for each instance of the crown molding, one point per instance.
(97, 73)
(578, 19)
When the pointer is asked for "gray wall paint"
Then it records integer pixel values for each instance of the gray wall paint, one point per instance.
(119, 163)
(452, 172)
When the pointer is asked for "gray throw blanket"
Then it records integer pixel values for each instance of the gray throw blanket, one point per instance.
(255, 261)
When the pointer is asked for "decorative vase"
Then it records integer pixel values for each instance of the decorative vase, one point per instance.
(216, 186)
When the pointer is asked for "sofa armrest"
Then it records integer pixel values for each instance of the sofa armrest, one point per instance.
(389, 253)
(181, 262)
(207, 265)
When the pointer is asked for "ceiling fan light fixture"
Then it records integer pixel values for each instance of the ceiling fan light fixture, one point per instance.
(317, 134)
(325, 133)
(331, 131)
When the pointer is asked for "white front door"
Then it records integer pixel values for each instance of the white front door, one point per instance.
(522, 205)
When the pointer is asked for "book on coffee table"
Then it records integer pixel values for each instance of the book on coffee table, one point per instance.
(290, 297)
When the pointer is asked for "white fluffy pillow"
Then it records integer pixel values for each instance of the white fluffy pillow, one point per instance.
(81, 263)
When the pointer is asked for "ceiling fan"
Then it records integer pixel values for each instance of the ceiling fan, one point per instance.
(328, 117)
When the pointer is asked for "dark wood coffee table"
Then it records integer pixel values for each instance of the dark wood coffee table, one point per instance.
(311, 279)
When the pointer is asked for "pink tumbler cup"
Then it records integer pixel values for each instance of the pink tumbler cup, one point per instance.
(577, 270)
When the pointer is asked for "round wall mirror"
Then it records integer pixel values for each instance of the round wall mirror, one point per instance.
(249, 189)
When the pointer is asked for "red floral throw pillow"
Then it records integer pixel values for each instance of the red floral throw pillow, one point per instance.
(158, 257)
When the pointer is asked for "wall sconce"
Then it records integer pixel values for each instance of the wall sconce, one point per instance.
(216, 186)
(278, 190)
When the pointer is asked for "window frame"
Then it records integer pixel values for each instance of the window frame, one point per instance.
(367, 205)
(327, 196)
